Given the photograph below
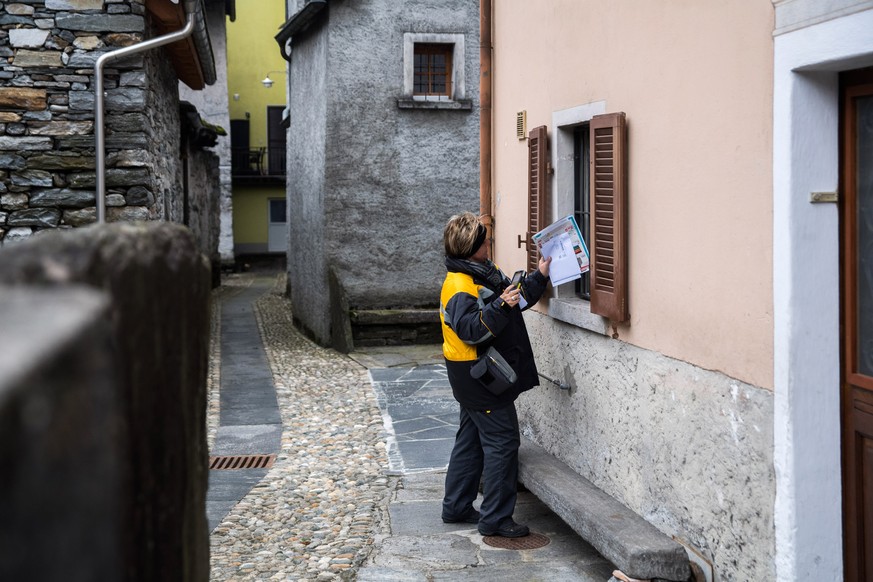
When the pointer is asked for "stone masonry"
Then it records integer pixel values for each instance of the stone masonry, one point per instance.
(48, 50)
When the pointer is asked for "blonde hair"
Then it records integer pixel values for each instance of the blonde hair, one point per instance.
(460, 233)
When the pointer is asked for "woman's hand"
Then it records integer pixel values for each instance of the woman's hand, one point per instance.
(511, 295)
(544, 266)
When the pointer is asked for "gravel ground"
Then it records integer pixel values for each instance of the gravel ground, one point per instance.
(316, 513)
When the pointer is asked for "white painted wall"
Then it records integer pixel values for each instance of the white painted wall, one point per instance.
(806, 293)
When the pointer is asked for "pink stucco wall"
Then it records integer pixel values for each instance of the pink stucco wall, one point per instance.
(695, 80)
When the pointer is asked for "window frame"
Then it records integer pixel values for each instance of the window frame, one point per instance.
(565, 305)
(457, 96)
(432, 49)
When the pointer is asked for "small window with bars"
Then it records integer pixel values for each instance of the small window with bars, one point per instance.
(433, 69)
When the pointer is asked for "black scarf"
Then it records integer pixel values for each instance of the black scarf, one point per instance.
(486, 271)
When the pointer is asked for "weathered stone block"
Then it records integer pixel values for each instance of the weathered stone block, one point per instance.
(27, 37)
(17, 234)
(32, 178)
(127, 214)
(62, 128)
(122, 40)
(22, 144)
(81, 100)
(61, 161)
(27, 58)
(139, 196)
(22, 98)
(88, 43)
(22, 9)
(82, 217)
(11, 161)
(9, 116)
(62, 197)
(128, 159)
(101, 22)
(125, 99)
(13, 201)
(74, 5)
(115, 200)
(13, 19)
(39, 217)
(114, 177)
(129, 122)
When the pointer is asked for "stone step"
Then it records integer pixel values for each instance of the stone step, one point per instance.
(631, 543)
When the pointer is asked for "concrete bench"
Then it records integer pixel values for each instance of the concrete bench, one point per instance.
(632, 544)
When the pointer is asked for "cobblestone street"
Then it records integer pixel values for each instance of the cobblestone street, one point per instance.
(315, 514)
(356, 488)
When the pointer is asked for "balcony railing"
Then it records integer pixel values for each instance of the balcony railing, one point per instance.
(257, 162)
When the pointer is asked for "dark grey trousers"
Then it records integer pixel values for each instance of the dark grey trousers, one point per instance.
(486, 444)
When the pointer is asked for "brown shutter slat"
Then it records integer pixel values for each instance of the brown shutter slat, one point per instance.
(537, 170)
(608, 174)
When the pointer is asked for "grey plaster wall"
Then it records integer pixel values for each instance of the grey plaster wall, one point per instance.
(213, 105)
(395, 175)
(391, 176)
(690, 450)
(307, 135)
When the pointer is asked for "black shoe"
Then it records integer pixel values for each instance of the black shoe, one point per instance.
(472, 517)
(509, 529)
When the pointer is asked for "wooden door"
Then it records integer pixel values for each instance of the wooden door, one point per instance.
(275, 141)
(857, 329)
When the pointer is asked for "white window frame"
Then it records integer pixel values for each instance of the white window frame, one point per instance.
(565, 305)
(410, 39)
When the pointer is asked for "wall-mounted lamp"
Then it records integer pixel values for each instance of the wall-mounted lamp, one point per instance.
(267, 81)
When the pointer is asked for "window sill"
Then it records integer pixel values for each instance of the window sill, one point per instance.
(577, 312)
(413, 103)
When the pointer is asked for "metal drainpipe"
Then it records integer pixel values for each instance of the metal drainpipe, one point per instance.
(485, 196)
(99, 132)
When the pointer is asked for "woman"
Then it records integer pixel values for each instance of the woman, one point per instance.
(480, 311)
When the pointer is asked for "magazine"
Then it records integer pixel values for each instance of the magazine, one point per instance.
(562, 240)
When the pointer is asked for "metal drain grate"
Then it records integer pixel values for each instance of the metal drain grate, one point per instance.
(231, 462)
(532, 541)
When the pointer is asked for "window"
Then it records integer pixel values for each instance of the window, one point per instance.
(433, 72)
(433, 69)
(581, 199)
(589, 159)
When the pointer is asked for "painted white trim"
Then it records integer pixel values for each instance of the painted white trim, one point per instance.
(808, 510)
(459, 90)
(565, 306)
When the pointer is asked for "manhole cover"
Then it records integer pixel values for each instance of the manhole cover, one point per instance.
(531, 541)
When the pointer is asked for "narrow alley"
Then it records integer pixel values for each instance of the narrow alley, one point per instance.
(356, 485)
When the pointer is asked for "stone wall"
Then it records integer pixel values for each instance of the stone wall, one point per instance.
(688, 449)
(47, 143)
(103, 405)
(212, 103)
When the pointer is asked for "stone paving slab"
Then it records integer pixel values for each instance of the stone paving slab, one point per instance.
(226, 489)
(256, 439)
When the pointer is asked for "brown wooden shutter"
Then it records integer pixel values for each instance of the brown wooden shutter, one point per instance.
(608, 173)
(537, 170)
